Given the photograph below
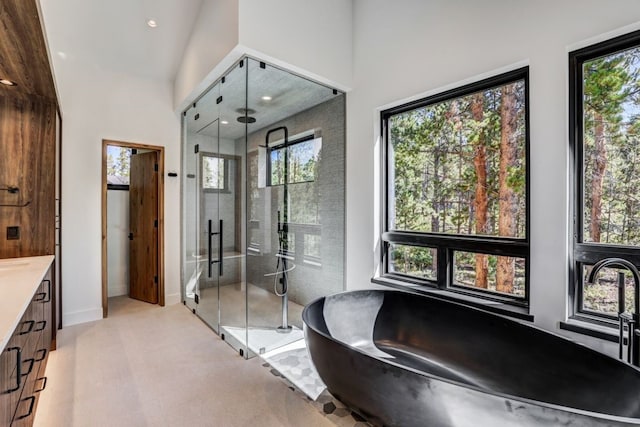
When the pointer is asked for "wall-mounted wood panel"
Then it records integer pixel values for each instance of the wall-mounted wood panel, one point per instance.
(23, 52)
(27, 161)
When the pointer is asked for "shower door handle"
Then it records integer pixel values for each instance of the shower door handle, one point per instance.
(220, 250)
(210, 234)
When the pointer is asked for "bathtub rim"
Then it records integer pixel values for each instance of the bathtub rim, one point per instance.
(596, 415)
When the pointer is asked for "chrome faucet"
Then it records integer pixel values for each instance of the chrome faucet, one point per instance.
(625, 318)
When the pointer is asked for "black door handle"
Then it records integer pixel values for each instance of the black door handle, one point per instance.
(31, 362)
(211, 260)
(32, 401)
(48, 299)
(44, 384)
(130, 236)
(220, 249)
(209, 234)
(31, 323)
(18, 351)
(42, 351)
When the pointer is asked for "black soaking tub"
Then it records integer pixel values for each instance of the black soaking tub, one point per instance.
(408, 360)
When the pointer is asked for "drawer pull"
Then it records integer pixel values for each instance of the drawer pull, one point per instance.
(31, 323)
(44, 354)
(32, 401)
(31, 362)
(48, 298)
(40, 297)
(18, 351)
(40, 328)
(44, 384)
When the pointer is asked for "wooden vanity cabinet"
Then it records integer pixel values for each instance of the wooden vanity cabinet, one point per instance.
(23, 361)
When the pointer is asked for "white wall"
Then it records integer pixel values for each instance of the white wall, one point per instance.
(100, 104)
(117, 243)
(407, 48)
(214, 36)
(313, 38)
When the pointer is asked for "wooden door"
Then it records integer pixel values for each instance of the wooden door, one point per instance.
(143, 226)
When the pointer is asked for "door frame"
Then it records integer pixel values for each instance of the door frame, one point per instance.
(139, 146)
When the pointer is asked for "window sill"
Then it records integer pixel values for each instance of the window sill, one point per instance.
(591, 329)
(497, 307)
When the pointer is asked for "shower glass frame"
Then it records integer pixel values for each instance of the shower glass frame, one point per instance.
(249, 308)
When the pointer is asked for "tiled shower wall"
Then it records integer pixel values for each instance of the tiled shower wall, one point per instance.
(311, 278)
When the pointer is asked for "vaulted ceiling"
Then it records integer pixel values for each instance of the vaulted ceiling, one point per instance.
(114, 34)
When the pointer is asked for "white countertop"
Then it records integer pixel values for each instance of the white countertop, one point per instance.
(19, 281)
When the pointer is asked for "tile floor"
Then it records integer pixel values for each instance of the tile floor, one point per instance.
(152, 366)
(292, 361)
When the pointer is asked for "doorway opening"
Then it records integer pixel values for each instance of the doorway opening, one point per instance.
(132, 222)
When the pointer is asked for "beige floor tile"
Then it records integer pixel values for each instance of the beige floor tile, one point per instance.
(151, 366)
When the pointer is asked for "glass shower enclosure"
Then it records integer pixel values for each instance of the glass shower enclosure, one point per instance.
(263, 156)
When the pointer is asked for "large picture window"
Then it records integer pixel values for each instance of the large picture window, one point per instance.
(456, 190)
(605, 141)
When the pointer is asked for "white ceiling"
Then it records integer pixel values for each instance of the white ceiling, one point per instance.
(113, 34)
(245, 86)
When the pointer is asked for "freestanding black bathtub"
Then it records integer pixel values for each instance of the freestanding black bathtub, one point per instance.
(407, 360)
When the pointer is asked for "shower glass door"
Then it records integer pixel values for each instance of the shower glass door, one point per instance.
(204, 180)
(191, 256)
(233, 288)
(211, 183)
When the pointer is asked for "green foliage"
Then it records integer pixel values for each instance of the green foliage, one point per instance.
(213, 172)
(602, 296)
(611, 107)
(414, 261)
(465, 274)
(303, 158)
(118, 161)
(434, 178)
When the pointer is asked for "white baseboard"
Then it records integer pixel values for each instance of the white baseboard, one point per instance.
(83, 316)
(172, 299)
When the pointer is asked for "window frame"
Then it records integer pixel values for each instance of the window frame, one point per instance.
(582, 253)
(285, 146)
(447, 244)
(225, 179)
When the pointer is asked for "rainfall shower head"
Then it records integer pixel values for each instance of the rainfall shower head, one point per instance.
(246, 118)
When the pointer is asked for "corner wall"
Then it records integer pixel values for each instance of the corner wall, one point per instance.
(214, 36)
(406, 48)
(312, 38)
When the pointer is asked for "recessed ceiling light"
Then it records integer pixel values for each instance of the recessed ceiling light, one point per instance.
(266, 98)
(224, 122)
(7, 82)
(152, 23)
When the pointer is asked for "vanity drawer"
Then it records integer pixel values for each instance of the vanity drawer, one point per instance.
(23, 361)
